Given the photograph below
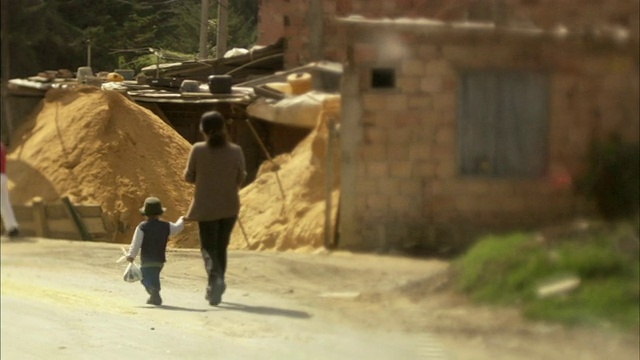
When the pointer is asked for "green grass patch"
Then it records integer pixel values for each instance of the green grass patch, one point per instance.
(510, 269)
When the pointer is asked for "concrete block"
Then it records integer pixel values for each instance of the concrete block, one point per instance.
(432, 84)
(397, 153)
(445, 135)
(400, 136)
(378, 169)
(377, 202)
(397, 102)
(367, 186)
(400, 169)
(388, 187)
(456, 53)
(425, 169)
(374, 153)
(408, 84)
(365, 53)
(412, 187)
(420, 101)
(429, 52)
(439, 67)
(445, 101)
(402, 205)
(419, 151)
(412, 67)
(374, 101)
(447, 169)
(409, 119)
(376, 135)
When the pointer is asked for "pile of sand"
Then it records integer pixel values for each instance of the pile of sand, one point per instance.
(284, 208)
(98, 147)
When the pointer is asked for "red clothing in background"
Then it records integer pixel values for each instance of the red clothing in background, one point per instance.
(3, 158)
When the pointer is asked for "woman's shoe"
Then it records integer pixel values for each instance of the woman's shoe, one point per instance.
(215, 296)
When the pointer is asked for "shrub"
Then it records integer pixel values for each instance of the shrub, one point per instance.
(613, 178)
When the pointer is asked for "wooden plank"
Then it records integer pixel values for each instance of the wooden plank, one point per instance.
(63, 226)
(94, 225)
(23, 213)
(55, 211)
(77, 220)
(56, 221)
(40, 218)
(87, 211)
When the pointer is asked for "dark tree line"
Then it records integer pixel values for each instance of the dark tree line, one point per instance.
(54, 34)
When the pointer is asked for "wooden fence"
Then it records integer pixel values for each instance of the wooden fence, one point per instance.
(63, 220)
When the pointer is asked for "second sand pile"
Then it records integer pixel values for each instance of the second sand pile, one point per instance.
(284, 208)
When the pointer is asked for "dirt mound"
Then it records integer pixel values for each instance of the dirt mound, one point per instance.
(98, 147)
(284, 208)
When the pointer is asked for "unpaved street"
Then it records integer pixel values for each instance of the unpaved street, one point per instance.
(66, 300)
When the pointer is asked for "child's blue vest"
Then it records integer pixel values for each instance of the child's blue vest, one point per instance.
(154, 243)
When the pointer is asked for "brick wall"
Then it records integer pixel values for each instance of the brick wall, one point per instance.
(290, 18)
(399, 159)
(405, 155)
(271, 21)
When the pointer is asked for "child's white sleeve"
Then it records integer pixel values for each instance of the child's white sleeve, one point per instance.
(136, 243)
(177, 226)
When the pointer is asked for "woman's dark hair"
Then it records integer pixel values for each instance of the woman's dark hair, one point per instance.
(212, 125)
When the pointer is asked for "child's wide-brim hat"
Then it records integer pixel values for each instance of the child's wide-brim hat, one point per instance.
(152, 206)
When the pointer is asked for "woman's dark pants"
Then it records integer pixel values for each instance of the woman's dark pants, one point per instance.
(214, 240)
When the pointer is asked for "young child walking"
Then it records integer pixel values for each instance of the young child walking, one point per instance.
(150, 239)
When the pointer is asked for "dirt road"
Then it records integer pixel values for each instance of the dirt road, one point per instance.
(66, 300)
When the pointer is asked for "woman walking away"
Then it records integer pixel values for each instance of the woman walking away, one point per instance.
(216, 166)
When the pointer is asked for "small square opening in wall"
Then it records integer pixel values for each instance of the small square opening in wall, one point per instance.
(383, 78)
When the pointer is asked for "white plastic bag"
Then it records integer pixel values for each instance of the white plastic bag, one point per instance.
(132, 273)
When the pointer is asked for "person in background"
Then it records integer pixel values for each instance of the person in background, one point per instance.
(217, 168)
(150, 239)
(8, 217)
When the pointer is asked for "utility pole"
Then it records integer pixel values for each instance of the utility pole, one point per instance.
(203, 52)
(89, 52)
(223, 17)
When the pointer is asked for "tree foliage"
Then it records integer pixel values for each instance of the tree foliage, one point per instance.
(55, 34)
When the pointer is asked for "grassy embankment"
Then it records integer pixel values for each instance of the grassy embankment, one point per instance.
(512, 270)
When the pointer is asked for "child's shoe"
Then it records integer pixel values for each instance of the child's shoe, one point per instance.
(155, 298)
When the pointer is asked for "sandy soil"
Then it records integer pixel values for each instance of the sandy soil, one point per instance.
(66, 300)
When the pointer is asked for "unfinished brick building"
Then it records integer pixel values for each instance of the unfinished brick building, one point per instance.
(464, 114)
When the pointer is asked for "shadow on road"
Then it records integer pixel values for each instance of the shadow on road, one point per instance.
(264, 310)
(171, 307)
